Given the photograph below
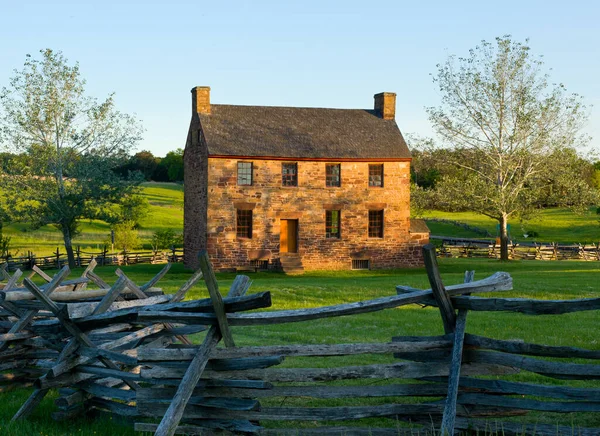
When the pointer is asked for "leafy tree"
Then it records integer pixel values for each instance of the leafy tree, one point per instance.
(126, 236)
(165, 239)
(595, 175)
(143, 162)
(505, 121)
(134, 208)
(72, 143)
(4, 242)
(170, 166)
(161, 173)
(174, 161)
(131, 207)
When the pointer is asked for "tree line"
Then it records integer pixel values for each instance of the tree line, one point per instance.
(157, 169)
(144, 163)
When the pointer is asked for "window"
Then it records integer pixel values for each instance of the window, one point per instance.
(244, 173)
(289, 174)
(361, 264)
(375, 224)
(244, 224)
(376, 175)
(332, 175)
(332, 223)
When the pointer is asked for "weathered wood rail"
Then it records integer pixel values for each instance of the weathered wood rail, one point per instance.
(124, 352)
(488, 248)
(84, 258)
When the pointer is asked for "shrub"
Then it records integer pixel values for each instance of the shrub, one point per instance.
(165, 239)
(126, 236)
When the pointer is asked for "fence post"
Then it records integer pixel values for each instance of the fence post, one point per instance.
(449, 416)
(78, 261)
(439, 291)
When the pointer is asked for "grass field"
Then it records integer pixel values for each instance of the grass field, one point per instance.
(552, 225)
(532, 279)
(166, 212)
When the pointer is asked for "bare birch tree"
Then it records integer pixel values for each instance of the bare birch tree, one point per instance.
(506, 121)
(72, 143)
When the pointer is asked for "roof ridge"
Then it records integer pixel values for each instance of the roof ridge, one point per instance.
(293, 107)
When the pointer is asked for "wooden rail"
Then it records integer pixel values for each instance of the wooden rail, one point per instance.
(124, 352)
(84, 258)
(488, 248)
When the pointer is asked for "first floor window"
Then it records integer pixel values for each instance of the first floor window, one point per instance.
(244, 224)
(332, 223)
(289, 174)
(244, 173)
(375, 224)
(332, 175)
(376, 175)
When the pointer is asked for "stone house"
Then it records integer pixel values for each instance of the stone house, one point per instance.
(300, 188)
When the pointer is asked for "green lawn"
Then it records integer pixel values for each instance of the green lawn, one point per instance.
(532, 279)
(552, 225)
(166, 212)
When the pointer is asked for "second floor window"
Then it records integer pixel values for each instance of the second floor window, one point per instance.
(244, 224)
(332, 224)
(244, 173)
(376, 175)
(332, 175)
(289, 174)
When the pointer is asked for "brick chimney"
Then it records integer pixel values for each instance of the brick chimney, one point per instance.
(385, 105)
(201, 100)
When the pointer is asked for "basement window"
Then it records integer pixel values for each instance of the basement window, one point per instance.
(361, 264)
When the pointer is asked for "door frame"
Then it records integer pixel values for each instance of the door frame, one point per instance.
(284, 229)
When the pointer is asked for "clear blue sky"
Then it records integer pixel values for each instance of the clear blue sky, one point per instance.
(284, 53)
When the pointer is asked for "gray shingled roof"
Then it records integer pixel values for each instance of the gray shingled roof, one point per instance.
(301, 133)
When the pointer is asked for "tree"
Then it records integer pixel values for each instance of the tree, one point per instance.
(72, 143)
(506, 123)
(143, 162)
(166, 238)
(172, 166)
(126, 236)
(131, 207)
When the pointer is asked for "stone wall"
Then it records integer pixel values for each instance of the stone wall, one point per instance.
(270, 202)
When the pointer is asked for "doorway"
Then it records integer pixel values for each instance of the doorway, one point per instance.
(288, 236)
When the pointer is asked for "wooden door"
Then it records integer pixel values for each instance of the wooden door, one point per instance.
(288, 236)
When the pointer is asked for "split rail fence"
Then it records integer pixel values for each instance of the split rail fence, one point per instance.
(122, 351)
(84, 258)
(461, 247)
